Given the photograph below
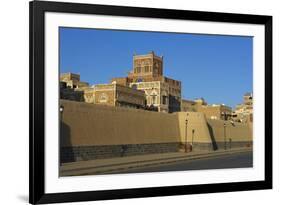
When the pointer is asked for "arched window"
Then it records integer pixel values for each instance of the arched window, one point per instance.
(138, 69)
(103, 98)
(154, 97)
(164, 100)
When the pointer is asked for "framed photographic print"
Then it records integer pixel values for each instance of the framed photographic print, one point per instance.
(130, 102)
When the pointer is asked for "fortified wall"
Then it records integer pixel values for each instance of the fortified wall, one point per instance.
(90, 131)
(195, 130)
(230, 134)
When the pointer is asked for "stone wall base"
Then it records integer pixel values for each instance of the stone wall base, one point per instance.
(82, 153)
(230, 145)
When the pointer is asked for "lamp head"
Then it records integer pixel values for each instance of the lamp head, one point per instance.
(61, 108)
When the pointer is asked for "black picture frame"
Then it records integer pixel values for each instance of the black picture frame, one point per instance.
(37, 9)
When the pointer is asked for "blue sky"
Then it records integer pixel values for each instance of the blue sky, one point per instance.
(215, 67)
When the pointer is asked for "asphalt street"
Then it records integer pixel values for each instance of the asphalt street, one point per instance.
(237, 160)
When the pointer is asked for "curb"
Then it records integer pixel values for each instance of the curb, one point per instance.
(165, 161)
(107, 169)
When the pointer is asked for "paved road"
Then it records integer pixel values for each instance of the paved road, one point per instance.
(237, 160)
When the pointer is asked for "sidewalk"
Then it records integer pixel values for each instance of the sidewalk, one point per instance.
(106, 166)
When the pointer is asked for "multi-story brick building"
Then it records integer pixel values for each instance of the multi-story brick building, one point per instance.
(118, 95)
(213, 111)
(69, 93)
(188, 105)
(161, 92)
(156, 94)
(72, 80)
(108, 94)
(244, 111)
(216, 111)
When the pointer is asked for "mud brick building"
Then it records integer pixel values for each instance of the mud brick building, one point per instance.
(147, 74)
(118, 95)
(244, 111)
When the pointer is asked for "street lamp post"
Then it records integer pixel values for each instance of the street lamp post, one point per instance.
(185, 146)
(60, 137)
(224, 115)
(61, 109)
(224, 127)
(186, 122)
(192, 136)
